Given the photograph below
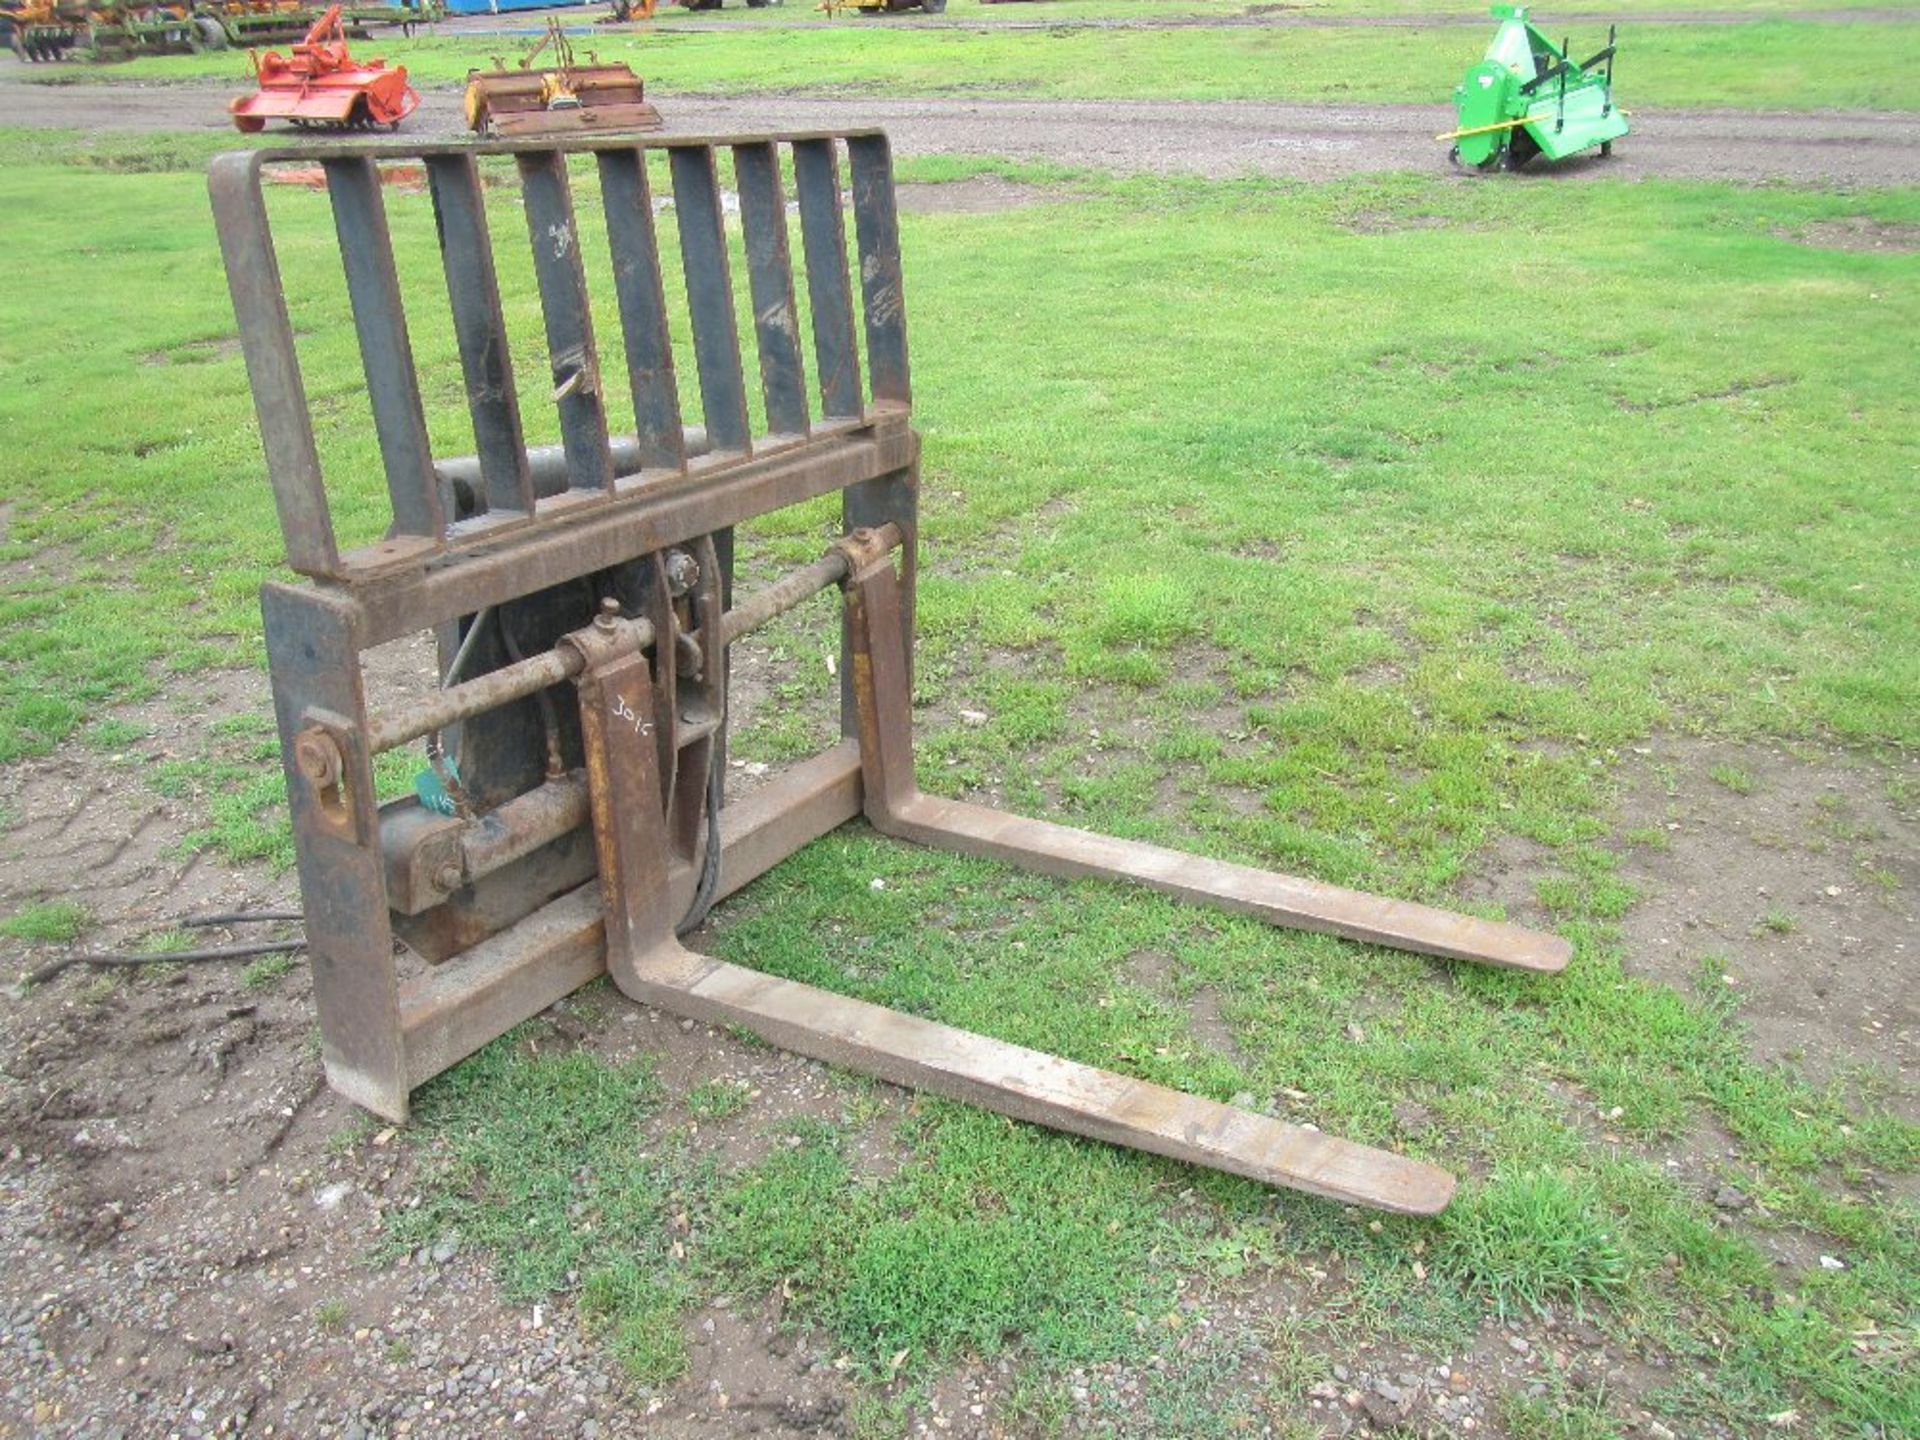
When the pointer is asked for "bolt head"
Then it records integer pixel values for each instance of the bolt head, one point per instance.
(683, 572)
(318, 758)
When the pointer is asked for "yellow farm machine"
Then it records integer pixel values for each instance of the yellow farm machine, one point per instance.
(872, 8)
(564, 97)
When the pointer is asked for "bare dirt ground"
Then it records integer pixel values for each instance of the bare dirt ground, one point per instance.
(1795, 874)
(1215, 139)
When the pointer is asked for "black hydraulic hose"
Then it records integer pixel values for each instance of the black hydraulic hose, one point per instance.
(549, 719)
(237, 917)
(709, 886)
(162, 957)
(110, 959)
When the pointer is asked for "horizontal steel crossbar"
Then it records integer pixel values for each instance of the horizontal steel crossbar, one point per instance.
(430, 530)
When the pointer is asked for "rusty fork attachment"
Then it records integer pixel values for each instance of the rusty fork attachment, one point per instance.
(572, 819)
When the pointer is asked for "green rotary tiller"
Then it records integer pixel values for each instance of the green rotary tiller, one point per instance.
(1529, 97)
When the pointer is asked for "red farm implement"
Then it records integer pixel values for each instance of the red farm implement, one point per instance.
(321, 86)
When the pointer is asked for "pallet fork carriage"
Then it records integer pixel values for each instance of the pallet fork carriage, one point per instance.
(582, 596)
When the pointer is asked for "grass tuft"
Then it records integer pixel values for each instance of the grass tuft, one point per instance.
(537, 1157)
(46, 922)
(639, 1316)
(1734, 778)
(998, 1235)
(265, 971)
(1528, 1239)
(717, 1099)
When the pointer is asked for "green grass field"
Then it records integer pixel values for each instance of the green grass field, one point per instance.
(793, 13)
(1396, 509)
(1779, 64)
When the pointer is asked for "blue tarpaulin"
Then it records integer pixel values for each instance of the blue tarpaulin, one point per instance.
(501, 7)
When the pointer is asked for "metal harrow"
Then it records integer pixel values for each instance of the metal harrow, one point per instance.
(582, 595)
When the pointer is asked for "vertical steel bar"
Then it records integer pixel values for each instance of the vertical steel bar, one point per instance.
(569, 317)
(1566, 52)
(473, 289)
(273, 367)
(776, 319)
(885, 499)
(1606, 95)
(623, 790)
(313, 644)
(716, 331)
(366, 249)
(877, 223)
(823, 234)
(643, 308)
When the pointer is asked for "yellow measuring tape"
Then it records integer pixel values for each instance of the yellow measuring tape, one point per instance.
(1505, 125)
(1483, 129)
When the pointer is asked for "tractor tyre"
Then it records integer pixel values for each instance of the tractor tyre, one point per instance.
(934, 7)
(1606, 149)
(207, 34)
(756, 4)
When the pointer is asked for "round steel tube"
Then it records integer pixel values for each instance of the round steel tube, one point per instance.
(782, 596)
(537, 672)
(489, 692)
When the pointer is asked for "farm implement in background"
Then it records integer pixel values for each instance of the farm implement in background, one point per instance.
(571, 817)
(41, 30)
(320, 86)
(1529, 97)
(565, 97)
(120, 29)
(870, 8)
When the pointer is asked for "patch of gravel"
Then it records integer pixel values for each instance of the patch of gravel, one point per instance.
(1859, 233)
(1215, 139)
